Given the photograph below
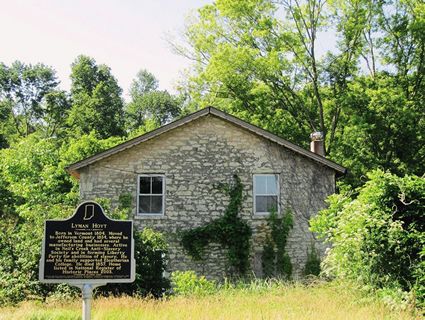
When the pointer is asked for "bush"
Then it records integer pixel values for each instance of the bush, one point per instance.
(150, 252)
(377, 236)
(187, 283)
(20, 251)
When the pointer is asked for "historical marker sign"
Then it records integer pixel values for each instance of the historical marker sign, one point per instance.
(87, 248)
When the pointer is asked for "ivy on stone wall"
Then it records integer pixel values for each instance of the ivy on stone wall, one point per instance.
(229, 230)
(275, 259)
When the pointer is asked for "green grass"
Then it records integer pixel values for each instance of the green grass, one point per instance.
(255, 301)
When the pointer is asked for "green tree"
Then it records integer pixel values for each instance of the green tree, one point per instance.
(385, 129)
(264, 68)
(260, 60)
(149, 103)
(96, 100)
(57, 105)
(23, 89)
(34, 186)
(143, 83)
(403, 43)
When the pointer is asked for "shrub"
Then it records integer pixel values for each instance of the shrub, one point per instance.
(20, 251)
(377, 236)
(187, 283)
(150, 255)
(150, 252)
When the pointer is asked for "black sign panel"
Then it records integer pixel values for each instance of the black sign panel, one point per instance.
(87, 246)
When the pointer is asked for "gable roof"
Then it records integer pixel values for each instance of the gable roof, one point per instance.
(73, 168)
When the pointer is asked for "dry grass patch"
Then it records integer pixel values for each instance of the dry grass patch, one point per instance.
(324, 301)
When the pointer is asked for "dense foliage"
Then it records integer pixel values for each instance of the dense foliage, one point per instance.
(42, 131)
(378, 233)
(26, 96)
(277, 65)
(149, 103)
(230, 231)
(38, 188)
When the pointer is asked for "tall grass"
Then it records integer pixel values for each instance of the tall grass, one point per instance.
(256, 300)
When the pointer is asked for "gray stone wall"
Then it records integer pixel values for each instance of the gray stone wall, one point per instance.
(195, 158)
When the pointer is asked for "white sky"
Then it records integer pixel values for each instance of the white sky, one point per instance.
(126, 35)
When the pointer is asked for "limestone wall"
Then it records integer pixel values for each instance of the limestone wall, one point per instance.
(195, 158)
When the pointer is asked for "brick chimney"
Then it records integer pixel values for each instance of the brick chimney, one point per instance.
(316, 144)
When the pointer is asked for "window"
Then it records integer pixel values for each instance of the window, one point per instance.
(151, 194)
(266, 193)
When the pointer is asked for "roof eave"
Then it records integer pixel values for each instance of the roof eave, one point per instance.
(270, 136)
(128, 144)
(73, 168)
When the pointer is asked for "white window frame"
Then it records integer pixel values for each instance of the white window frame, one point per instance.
(254, 195)
(139, 194)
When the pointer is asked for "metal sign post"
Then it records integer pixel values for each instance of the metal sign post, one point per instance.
(87, 250)
(87, 294)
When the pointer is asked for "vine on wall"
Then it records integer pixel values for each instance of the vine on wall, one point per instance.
(229, 230)
(275, 259)
(312, 265)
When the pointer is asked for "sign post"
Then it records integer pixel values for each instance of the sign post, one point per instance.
(87, 250)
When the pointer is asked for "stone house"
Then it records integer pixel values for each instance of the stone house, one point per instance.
(172, 172)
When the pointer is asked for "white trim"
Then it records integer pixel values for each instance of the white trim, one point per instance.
(254, 195)
(139, 194)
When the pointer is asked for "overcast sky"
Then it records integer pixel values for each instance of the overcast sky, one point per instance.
(126, 35)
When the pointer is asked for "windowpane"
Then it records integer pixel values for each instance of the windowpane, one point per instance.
(156, 185)
(260, 184)
(145, 185)
(151, 188)
(265, 203)
(271, 203)
(261, 204)
(156, 204)
(144, 204)
(271, 185)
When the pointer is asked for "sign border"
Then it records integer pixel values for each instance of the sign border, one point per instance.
(80, 282)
